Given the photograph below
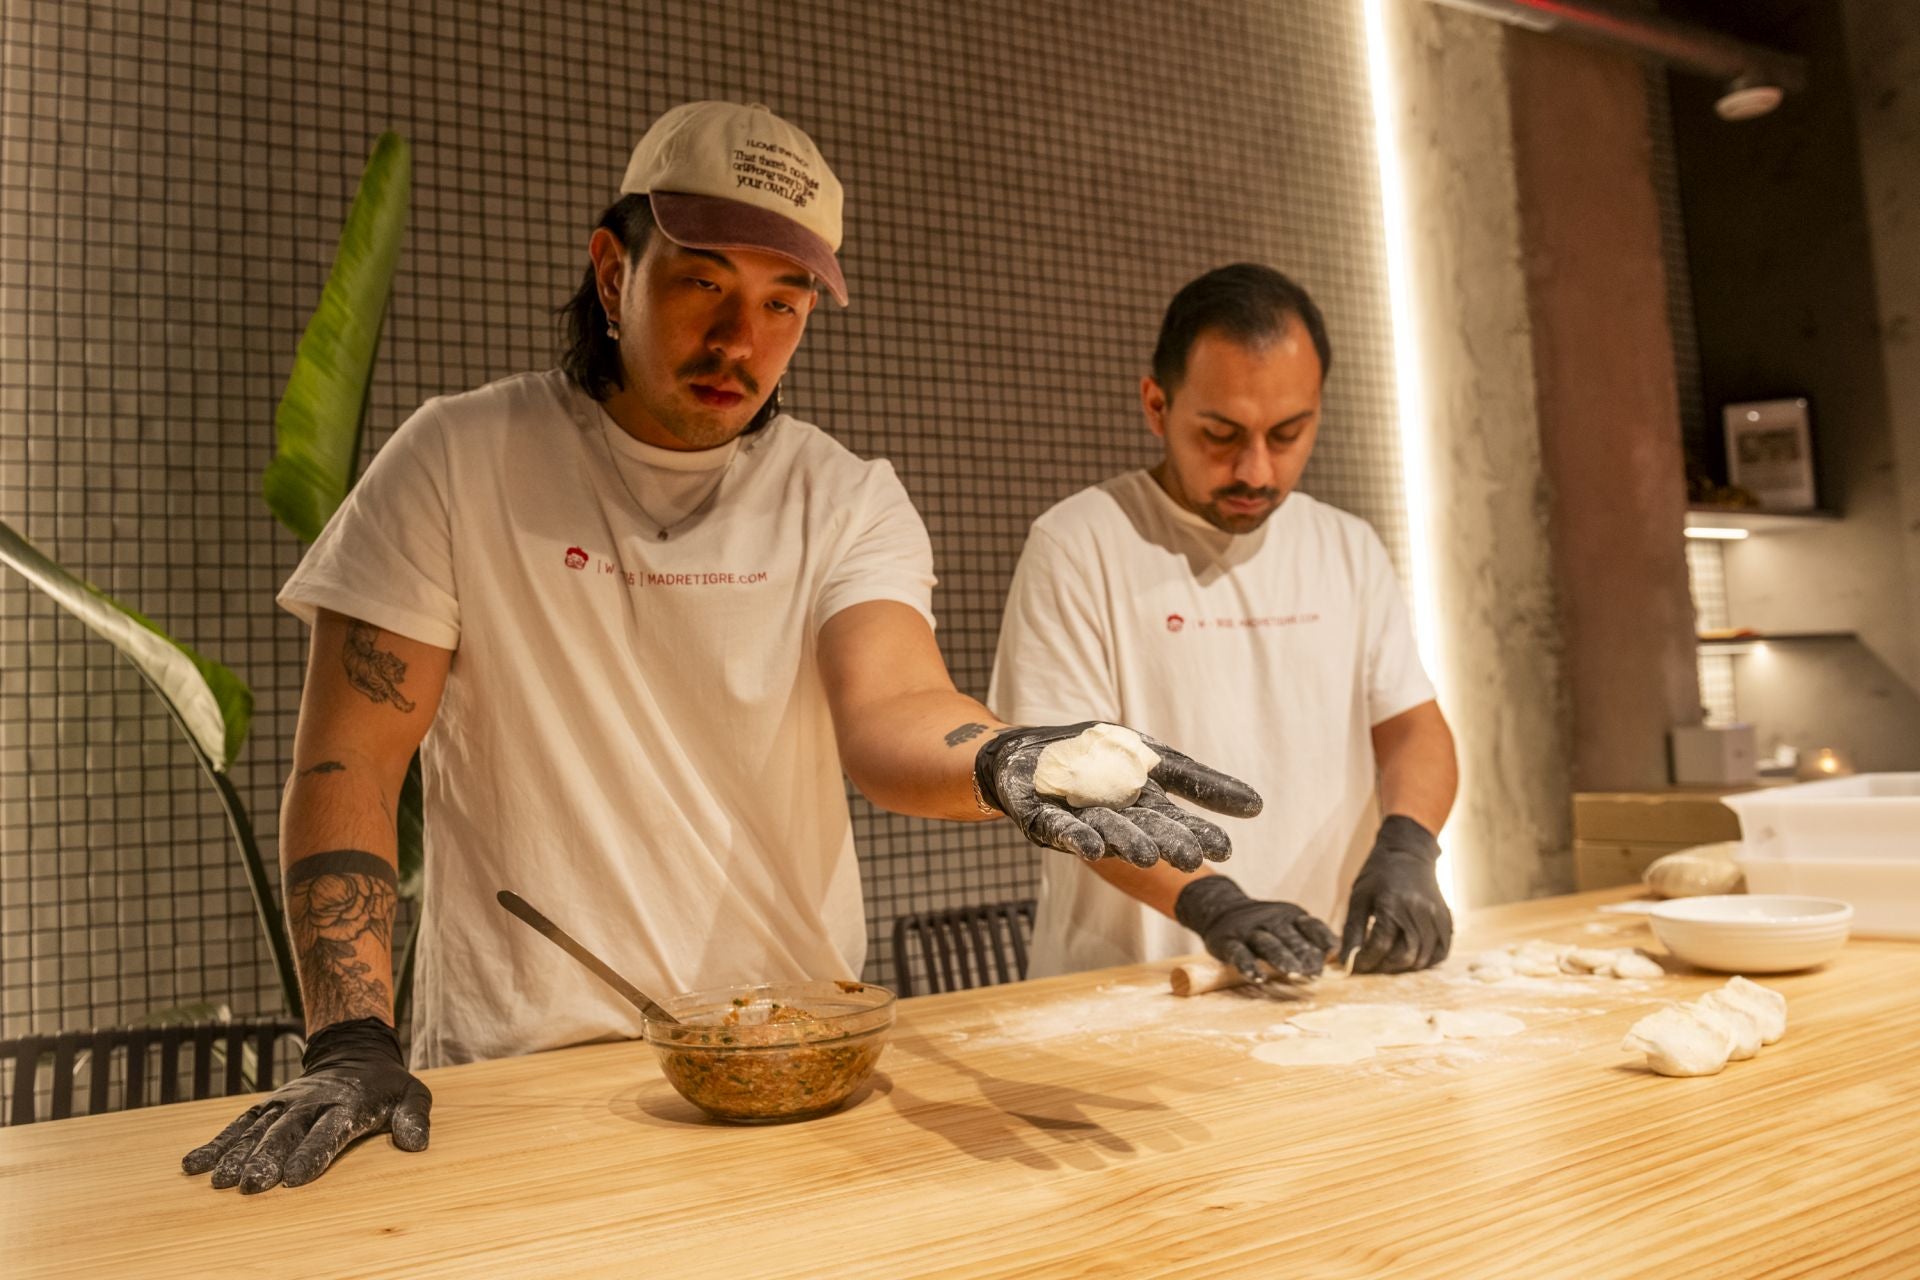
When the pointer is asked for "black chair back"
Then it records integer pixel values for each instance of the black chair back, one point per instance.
(962, 947)
(206, 1045)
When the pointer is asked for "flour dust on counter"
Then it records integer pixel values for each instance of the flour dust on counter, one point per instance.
(1344, 1033)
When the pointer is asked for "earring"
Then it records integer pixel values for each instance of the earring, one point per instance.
(613, 330)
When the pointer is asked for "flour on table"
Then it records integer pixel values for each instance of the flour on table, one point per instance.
(1476, 1024)
(1104, 765)
(1346, 1033)
(1380, 1025)
(1312, 1051)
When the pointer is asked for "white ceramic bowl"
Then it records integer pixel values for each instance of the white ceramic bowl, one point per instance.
(1752, 932)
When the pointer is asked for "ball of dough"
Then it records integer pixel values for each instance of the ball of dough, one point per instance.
(1740, 1023)
(1105, 765)
(1694, 873)
(1766, 1004)
(1679, 1042)
(1631, 964)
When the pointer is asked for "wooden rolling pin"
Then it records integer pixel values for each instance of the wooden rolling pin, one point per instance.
(1197, 977)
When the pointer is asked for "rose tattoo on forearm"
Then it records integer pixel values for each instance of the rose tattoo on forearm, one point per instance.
(334, 900)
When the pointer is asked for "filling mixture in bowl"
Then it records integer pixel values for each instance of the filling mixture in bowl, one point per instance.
(778, 1052)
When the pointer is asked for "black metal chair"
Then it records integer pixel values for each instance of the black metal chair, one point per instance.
(206, 1042)
(962, 947)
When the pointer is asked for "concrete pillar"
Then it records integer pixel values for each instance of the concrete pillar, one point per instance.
(1608, 409)
(1501, 682)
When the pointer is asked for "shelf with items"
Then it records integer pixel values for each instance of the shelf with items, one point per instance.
(1738, 522)
(1738, 640)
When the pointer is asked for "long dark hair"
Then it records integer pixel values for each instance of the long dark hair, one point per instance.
(587, 354)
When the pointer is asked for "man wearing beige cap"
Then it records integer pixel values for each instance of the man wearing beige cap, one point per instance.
(637, 621)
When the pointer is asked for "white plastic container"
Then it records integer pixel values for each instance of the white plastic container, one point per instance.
(1856, 839)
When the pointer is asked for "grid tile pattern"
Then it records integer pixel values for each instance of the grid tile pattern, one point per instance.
(1028, 185)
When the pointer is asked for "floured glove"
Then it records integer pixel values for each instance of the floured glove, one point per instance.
(354, 1083)
(1145, 831)
(1396, 917)
(1240, 931)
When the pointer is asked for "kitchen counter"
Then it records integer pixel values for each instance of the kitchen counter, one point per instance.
(1095, 1125)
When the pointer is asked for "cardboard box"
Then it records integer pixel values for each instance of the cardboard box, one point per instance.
(1679, 818)
(1714, 754)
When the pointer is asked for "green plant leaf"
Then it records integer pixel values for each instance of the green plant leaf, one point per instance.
(211, 704)
(318, 423)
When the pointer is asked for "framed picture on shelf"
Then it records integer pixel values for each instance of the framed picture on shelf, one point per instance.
(1770, 453)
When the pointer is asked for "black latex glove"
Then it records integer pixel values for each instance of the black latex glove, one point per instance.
(1398, 890)
(354, 1083)
(1143, 833)
(1239, 930)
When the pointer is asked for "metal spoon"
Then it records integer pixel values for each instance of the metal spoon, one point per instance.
(599, 968)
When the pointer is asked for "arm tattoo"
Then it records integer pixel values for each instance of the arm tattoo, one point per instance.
(334, 900)
(965, 733)
(371, 669)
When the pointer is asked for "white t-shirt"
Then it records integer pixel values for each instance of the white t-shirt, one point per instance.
(1268, 655)
(634, 734)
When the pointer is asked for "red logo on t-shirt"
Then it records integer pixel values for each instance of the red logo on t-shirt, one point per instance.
(576, 558)
(1175, 622)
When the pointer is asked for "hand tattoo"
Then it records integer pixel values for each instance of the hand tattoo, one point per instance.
(335, 899)
(371, 669)
(965, 733)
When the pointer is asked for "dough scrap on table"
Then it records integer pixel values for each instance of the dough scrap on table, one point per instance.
(1700, 1038)
(1536, 959)
(1476, 1024)
(1353, 1032)
(1382, 1025)
(1103, 765)
(1312, 1051)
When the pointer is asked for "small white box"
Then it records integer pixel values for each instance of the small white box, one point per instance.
(1710, 754)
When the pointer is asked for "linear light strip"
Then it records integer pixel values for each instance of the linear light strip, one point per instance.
(1410, 398)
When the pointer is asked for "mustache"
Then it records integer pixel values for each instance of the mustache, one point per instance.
(1246, 491)
(712, 363)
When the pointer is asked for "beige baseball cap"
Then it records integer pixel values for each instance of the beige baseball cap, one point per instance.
(719, 175)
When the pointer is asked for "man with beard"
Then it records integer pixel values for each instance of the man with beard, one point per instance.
(649, 619)
(1206, 601)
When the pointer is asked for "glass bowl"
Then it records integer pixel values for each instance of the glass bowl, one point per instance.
(774, 1052)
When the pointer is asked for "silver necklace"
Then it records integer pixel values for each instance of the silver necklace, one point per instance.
(664, 531)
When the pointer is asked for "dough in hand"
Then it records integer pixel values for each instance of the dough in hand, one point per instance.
(1679, 1042)
(1105, 765)
(1693, 873)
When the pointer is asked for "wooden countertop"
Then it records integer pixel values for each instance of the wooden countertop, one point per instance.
(1093, 1125)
